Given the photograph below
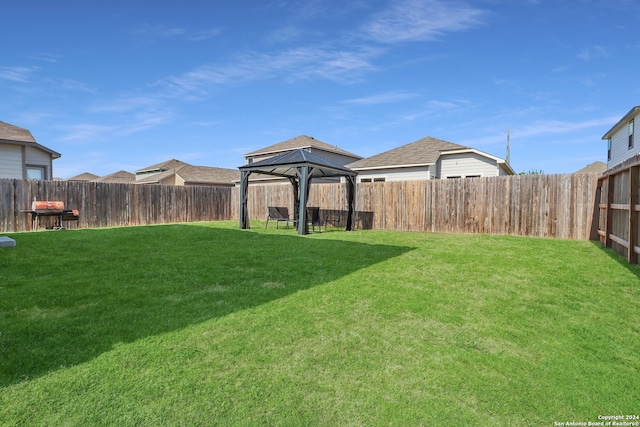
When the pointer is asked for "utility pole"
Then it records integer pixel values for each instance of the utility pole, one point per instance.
(508, 159)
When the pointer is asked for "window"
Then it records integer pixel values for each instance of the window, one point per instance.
(365, 180)
(35, 172)
(631, 134)
(608, 148)
(473, 176)
(378, 179)
(453, 177)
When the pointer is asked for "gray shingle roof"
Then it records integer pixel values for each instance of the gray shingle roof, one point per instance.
(595, 167)
(14, 133)
(118, 177)
(208, 175)
(86, 176)
(302, 141)
(169, 164)
(424, 151)
(192, 175)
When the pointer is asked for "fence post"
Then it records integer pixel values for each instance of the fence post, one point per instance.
(609, 212)
(632, 256)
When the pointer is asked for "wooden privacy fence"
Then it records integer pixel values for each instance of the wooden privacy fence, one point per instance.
(561, 206)
(617, 200)
(112, 204)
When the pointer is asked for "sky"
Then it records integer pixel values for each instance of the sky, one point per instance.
(122, 85)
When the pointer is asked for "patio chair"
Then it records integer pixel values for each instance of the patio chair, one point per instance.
(313, 218)
(334, 217)
(278, 214)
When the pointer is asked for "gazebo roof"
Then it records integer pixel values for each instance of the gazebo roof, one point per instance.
(286, 165)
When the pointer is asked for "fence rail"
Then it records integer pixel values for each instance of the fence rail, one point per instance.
(560, 206)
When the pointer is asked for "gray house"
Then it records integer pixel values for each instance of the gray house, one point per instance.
(303, 142)
(429, 158)
(176, 172)
(21, 157)
(621, 144)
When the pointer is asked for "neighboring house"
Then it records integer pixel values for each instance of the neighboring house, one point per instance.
(429, 158)
(595, 167)
(160, 168)
(304, 142)
(21, 157)
(175, 172)
(120, 177)
(621, 143)
(86, 176)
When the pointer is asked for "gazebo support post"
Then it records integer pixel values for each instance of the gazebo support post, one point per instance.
(303, 227)
(351, 202)
(295, 188)
(244, 196)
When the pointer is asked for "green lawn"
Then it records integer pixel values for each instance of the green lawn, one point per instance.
(207, 324)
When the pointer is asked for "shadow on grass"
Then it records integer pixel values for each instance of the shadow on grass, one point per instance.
(634, 269)
(67, 297)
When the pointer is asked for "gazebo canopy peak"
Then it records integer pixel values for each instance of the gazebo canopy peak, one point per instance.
(288, 164)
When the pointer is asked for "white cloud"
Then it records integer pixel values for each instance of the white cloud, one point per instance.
(162, 31)
(72, 85)
(205, 35)
(422, 20)
(294, 64)
(46, 57)
(550, 127)
(381, 98)
(85, 132)
(143, 121)
(90, 133)
(594, 52)
(17, 74)
(158, 30)
(125, 104)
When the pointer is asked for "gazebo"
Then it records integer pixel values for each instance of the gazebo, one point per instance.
(300, 167)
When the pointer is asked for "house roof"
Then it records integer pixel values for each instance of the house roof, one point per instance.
(192, 175)
(622, 122)
(286, 165)
(422, 152)
(595, 167)
(208, 175)
(10, 132)
(303, 142)
(118, 177)
(86, 176)
(16, 135)
(166, 165)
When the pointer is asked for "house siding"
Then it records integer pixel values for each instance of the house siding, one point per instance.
(36, 157)
(396, 174)
(620, 143)
(465, 165)
(11, 161)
